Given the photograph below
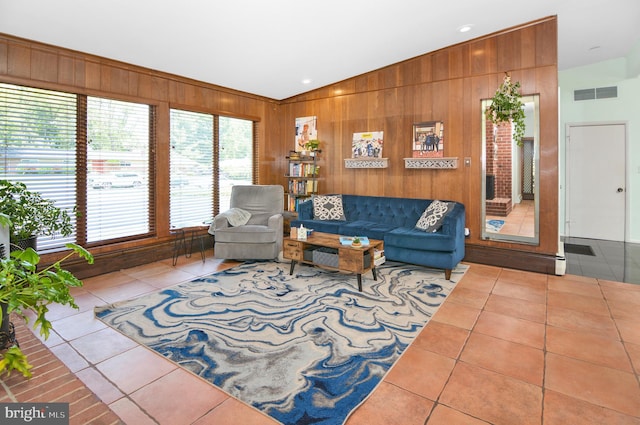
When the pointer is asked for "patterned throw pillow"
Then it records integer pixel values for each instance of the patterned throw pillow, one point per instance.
(432, 218)
(328, 207)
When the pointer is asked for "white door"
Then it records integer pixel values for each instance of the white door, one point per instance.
(595, 180)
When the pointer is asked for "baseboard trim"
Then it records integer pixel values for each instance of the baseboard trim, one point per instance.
(510, 258)
(108, 262)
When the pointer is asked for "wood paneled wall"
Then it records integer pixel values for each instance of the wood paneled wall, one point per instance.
(49, 67)
(445, 85)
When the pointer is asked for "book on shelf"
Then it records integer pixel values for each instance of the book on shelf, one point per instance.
(302, 187)
(379, 261)
(294, 202)
(302, 170)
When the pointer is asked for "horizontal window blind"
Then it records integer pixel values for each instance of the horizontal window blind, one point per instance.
(118, 140)
(38, 142)
(191, 165)
(235, 156)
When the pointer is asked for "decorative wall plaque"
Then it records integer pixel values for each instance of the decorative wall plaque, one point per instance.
(431, 163)
(366, 162)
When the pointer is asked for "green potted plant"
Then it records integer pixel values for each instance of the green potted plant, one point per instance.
(25, 288)
(312, 145)
(507, 107)
(31, 214)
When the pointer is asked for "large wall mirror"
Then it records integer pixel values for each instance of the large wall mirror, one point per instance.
(510, 178)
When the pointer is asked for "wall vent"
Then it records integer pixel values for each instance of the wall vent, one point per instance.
(606, 92)
(595, 93)
(584, 94)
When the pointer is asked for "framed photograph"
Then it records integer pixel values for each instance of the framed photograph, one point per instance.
(428, 140)
(305, 130)
(367, 145)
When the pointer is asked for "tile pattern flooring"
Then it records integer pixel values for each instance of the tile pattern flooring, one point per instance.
(506, 347)
(520, 222)
(613, 260)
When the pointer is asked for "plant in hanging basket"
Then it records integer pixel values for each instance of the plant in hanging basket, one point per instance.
(506, 106)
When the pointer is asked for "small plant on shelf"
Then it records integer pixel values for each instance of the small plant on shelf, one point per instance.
(356, 241)
(312, 145)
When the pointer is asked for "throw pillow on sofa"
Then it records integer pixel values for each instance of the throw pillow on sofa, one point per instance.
(328, 207)
(432, 218)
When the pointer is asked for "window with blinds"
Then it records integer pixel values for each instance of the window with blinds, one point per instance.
(118, 139)
(191, 166)
(93, 157)
(235, 164)
(38, 143)
(43, 145)
(209, 154)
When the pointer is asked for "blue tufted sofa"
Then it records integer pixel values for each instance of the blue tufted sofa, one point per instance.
(393, 221)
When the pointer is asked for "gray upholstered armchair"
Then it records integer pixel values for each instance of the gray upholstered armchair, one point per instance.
(252, 227)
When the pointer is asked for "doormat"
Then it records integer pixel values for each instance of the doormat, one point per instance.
(570, 248)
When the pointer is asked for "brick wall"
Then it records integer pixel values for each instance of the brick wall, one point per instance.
(499, 158)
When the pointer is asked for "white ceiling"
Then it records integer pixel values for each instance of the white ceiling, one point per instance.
(269, 47)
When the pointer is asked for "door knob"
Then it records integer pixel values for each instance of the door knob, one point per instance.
(620, 190)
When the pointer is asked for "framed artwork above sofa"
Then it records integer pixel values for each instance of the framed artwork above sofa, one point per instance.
(428, 140)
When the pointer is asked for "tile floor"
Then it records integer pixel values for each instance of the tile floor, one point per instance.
(520, 222)
(613, 260)
(506, 347)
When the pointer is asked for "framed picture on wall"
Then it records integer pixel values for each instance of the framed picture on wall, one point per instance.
(367, 145)
(428, 140)
(305, 130)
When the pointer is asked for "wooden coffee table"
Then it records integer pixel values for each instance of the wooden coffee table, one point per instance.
(350, 259)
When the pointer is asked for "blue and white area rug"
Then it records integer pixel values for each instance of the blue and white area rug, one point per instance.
(494, 225)
(304, 349)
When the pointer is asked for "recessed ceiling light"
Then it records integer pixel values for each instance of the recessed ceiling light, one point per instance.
(306, 81)
(465, 28)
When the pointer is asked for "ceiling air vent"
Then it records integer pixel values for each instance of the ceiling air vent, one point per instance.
(597, 93)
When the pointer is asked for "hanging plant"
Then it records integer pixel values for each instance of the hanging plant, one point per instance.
(506, 106)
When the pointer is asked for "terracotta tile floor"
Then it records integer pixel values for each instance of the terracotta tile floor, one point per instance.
(507, 347)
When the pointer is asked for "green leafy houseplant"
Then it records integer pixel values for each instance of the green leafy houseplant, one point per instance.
(25, 288)
(31, 214)
(506, 106)
(312, 145)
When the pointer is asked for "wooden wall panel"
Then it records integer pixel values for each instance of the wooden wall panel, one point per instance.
(48, 67)
(446, 85)
(44, 66)
(19, 58)
(4, 57)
